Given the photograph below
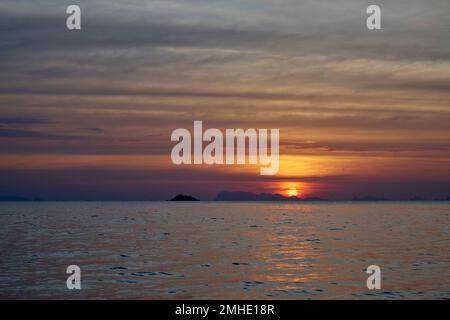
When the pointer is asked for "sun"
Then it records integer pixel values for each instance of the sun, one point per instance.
(291, 189)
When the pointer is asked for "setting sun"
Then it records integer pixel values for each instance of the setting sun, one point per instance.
(292, 192)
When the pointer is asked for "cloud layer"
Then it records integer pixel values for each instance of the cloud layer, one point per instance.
(345, 98)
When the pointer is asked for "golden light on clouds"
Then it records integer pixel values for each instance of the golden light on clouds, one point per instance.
(358, 113)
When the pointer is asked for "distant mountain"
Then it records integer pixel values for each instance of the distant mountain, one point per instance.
(247, 196)
(182, 197)
(250, 196)
(369, 198)
(416, 198)
(13, 198)
(442, 199)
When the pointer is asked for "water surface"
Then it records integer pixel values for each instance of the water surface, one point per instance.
(213, 250)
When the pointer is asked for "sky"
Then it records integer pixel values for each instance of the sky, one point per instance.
(87, 115)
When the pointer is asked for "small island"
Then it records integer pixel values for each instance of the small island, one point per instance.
(182, 197)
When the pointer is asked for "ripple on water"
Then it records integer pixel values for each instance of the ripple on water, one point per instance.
(253, 283)
(299, 293)
(313, 240)
(144, 273)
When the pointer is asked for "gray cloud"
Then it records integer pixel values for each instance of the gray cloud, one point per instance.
(22, 120)
(336, 30)
(17, 133)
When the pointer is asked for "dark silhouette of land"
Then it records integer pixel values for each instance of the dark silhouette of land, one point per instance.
(249, 196)
(417, 198)
(182, 197)
(14, 198)
(369, 198)
(236, 196)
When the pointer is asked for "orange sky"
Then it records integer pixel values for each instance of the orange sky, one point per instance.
(89, 115)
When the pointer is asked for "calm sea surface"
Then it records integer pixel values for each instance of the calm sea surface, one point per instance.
(213, 250)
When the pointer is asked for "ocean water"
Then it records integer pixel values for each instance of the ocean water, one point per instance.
(213, 250)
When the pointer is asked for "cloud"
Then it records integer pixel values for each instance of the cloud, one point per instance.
(17, 133)
(95, 130)
(337, 31)
(394, 146)
(22, 120)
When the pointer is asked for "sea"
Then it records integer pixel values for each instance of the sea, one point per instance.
(225, 250)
